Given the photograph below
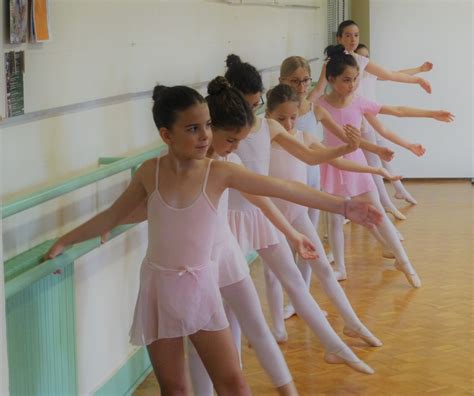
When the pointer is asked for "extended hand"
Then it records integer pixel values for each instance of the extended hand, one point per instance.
(304, 247)
(362, 213)
(427, 66)
(385, 153)
(417, 149)
(443, 115)
(425, 85)
(387, 175)
(353, 136)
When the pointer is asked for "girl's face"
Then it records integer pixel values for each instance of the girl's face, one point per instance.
(300, 80)
(346, 83)
(190, 136)
(254, 100)
(363, 52)
(350, 38)
(226, 141)
(286, 114)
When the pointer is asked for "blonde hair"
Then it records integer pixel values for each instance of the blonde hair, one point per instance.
(291, 64)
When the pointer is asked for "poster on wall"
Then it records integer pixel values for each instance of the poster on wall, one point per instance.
(14, 69)
(18, 21)
(39, 21)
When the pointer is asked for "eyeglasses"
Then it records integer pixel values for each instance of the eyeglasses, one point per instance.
(258, 105)
(305, 83)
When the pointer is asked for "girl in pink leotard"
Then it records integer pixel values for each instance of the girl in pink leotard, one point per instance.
(179, 291)
(342, 72)
(282, 106)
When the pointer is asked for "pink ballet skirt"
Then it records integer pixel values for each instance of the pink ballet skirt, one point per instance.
(226, 253)
(345, 183)
(249, 225)
(198, 306)
(253, 230)
(232, 267)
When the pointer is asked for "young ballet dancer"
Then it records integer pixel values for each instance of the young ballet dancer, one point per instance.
(342, 72)
(296, 72)
(254, 232)
(179, 294)
(283, 106)
(368, 82)
(348, 36)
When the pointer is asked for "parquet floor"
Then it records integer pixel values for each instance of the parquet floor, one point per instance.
(427, 333)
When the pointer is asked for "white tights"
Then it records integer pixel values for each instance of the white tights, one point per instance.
(243, 307)
(324, 273)
(400, 190)
(386, 233)
(281, 270)
(375, 161)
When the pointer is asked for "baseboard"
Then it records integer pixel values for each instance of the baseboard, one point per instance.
(128, 377)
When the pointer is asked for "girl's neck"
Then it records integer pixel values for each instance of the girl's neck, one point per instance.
(339, 100)
(177, 164)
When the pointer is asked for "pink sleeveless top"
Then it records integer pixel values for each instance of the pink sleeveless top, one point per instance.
(285, 166)
(178, 294)
(339, 182)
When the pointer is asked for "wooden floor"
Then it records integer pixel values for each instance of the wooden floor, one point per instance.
(427, 333)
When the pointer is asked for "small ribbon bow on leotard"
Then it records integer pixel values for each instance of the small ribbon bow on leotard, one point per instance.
(187, 270)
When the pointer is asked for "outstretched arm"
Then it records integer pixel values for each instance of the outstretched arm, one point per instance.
(105, 221)
(348, 165)
(239, 178)
(320, 86)
(415, 148)
(403, 111)
(325, 118)
(299, 241)
(312, 156)
(385, 74)
(425, 67)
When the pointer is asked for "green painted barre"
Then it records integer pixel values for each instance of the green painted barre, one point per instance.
(36, 198)
(25, 269)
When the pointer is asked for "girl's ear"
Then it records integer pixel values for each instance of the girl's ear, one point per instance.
(279, 80)
(165, 135)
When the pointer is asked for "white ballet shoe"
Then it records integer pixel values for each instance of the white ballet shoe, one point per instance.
(280, 338)
(387, 254)
(412, 277)
(330, 257)
(364, 334)
(288, 311)
(340, 275)
(395, 212)
(407, 197)
(358, 365)
(346, 221)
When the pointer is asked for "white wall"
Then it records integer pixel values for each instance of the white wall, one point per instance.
(101, 49)
(405, 34)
